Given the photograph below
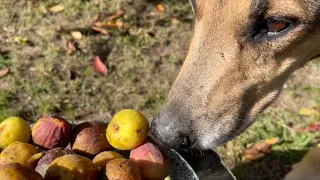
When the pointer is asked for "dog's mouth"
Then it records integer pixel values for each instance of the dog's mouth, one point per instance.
(204, 162)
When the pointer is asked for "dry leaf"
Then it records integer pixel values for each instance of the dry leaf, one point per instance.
(255, 157)
(115, 24)
(116, 16)
(315, 127)
(175, 21)
(99, 66)
(43, 9)
(160, 8)
(273, 141)
(4, 72)
(20, 40)
(96, 18)
(101, 24)
(71, 48)
(76, 34)
(101, 30)
(260, 149)
(57, 8)
(110, 24)
(308, 111)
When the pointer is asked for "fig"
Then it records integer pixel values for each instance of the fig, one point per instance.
(14, 129)
(89, 139)
(123, 169)
(103, 158)
(16, 171)
(71, 167)
(153, 163)
(51, 131)
(49, 157)
(127, 130)
(22, 153)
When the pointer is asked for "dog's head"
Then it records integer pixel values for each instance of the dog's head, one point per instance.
(241, 54)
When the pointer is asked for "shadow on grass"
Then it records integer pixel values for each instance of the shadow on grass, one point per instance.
(274, 165)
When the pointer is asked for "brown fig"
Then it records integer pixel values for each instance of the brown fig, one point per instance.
(49, 157)
(89, 139)
(124, 169)
(51, 131)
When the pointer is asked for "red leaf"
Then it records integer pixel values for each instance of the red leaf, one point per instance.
(99, 66)
(315, 127)
(4, 72)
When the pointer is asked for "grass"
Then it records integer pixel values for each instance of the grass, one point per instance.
(142, 65)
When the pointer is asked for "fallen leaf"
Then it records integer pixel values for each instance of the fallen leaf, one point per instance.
(96, 18)
(110, 24)
(175, 21)
(255, 157)
(71, 48)
(101, 24)
(115, 24)
(43, 9)
(116, 16)
(308, 111)
(260, 149)
(160, 8)
(101, 30)
(273, 141)
(20, 40)
(4, 72)
(99, 66)
(57, 8)
(76, 34)
(315, 127)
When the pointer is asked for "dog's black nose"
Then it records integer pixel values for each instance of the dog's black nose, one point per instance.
(186, 142)
(171, 134)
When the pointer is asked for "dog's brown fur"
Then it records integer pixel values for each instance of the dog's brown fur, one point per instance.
(232, 72)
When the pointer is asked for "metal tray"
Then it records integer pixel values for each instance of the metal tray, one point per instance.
(196, 165)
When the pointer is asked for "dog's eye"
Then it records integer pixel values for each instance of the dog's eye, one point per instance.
(276, 26)
(271, 28)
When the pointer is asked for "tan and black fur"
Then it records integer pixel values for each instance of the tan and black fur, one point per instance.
(235, 68)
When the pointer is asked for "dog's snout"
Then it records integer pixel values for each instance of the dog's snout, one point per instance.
(171, 133)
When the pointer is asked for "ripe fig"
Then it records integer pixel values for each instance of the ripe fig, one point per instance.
(22, 153)
(51, 131)
(14, 129)
(70, 167)
(153, 163)
(127, 130)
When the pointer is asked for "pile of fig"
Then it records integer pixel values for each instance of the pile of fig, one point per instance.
(54, 149)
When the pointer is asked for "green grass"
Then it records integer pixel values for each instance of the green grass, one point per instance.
(142, 65)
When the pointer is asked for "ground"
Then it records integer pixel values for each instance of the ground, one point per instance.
(143, 58)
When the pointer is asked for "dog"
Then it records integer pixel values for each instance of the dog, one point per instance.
(240, 56)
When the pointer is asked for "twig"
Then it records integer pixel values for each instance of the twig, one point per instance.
(115, 16)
